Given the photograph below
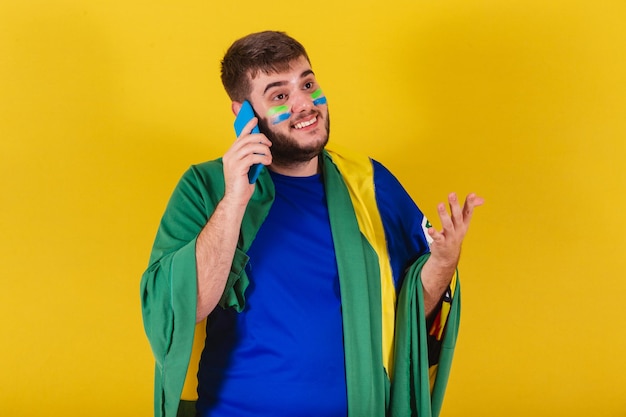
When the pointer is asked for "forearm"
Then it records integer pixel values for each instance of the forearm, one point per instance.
(436, 277)
(215, 249)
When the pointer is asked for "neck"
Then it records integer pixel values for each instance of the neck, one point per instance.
(297, 169)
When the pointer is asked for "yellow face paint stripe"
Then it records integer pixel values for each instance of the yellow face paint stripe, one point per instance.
(358, 174)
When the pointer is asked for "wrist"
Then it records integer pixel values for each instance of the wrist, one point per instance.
(443, 264)
(437, 273)
(233, 201)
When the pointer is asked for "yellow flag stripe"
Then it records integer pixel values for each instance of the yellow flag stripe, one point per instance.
(190, 389)
(358, 174)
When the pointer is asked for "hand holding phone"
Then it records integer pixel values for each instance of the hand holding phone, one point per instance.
(246, 113)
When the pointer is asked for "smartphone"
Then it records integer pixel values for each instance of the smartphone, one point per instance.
(246, 113)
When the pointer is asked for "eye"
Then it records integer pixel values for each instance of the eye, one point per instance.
(308, 85)
(279, 97)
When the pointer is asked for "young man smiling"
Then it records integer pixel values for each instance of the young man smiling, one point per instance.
(320, 289)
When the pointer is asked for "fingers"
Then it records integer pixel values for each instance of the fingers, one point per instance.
(447, 223)
(247, 129)
(249, 144)
(471, 201)
(248, 152)
(455, 210)
(454, 219)
(437, 237)
(249, 149)
(459, 218)
(446, 244)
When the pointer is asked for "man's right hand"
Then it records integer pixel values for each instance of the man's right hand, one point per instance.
(249, 149)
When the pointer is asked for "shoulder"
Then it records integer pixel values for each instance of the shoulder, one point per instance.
(383, 176)
(207, 170)
(200, 184)
(204, 174)
(362, 169)
(396, 205)
(387, 186)
(349, 161)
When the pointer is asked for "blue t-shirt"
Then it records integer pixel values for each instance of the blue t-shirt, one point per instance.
(283, 354)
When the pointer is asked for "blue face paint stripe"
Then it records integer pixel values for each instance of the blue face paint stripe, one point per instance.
(319, 101)
(281, 118)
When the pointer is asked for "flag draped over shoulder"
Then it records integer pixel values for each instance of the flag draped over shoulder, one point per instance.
(370, 321)
(417, 387)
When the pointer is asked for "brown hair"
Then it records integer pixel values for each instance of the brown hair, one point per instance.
(268, 51)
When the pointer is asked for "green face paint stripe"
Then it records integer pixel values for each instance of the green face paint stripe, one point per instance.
(278, 109)
(316, 93)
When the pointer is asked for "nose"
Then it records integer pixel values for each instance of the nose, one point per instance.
(302, 102)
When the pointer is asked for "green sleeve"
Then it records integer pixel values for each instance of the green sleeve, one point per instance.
(410, 393)
(168, 288)
(169, 285)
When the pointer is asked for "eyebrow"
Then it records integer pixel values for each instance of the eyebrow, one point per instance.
(281, 83)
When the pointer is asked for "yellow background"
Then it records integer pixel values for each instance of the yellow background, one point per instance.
(103, 105)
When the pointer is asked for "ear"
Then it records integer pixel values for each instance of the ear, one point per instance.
(235, 107)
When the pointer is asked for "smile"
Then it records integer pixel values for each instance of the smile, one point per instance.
(304, 124)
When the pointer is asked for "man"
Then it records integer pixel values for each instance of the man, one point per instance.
(319, 290)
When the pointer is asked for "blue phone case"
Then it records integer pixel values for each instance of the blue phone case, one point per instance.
(245, 115)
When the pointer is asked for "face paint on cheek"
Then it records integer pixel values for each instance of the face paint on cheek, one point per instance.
(279, 114)
(318, 97)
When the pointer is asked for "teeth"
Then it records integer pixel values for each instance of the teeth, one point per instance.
(305, 124)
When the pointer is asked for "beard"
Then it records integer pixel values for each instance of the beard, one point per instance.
(286, 151)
